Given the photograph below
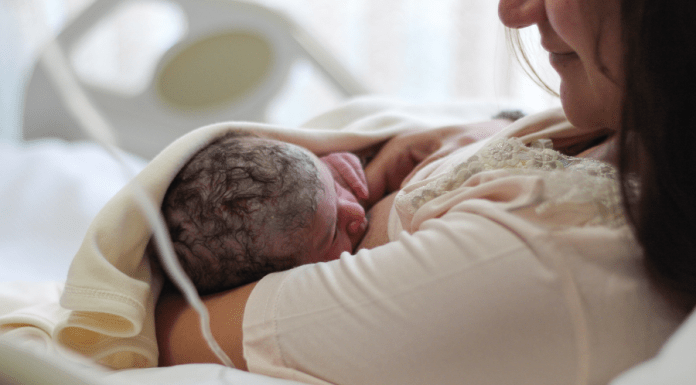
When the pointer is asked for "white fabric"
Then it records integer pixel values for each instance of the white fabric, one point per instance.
(507, 278)
(106, 310)
(50, 191)
(674, 365)
(34, 366)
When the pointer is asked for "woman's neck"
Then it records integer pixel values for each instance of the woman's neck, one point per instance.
(605, 151)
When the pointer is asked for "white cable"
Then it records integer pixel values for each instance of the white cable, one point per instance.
(95, 126)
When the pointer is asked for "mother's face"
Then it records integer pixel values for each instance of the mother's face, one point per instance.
(583, 38)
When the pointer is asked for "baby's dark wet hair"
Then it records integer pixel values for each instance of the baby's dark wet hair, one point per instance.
(237, 210)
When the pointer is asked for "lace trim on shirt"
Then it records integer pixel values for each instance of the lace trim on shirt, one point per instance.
(567, 180)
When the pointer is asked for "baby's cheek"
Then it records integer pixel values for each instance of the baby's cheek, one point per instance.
(346, 245)
(336, 253)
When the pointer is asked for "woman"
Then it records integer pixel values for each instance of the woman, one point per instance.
(516, 264)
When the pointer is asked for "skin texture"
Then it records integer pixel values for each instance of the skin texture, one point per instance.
(376, 234)
(178, 330)
(348, 172)
(583, 38)
(339, 222)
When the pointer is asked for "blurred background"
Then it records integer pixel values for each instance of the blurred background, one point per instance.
(416, 51)
(412, 50)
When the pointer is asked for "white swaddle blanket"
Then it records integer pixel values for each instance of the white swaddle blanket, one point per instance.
(106, 308)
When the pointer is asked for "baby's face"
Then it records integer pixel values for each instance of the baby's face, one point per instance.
(339, 223)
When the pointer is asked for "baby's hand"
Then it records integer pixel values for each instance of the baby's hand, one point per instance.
(347, 171)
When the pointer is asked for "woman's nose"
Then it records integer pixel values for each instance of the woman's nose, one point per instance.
(521, 13)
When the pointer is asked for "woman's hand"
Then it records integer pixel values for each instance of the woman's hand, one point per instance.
(403, 155)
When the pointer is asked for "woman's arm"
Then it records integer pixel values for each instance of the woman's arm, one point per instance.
(178, 328)
(179, 335)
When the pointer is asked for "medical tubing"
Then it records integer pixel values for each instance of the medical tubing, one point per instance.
(95, 126)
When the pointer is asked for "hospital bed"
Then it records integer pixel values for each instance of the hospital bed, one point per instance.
(51, 189)
(229, 61)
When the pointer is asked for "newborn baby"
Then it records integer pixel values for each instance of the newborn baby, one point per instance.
(246, 206)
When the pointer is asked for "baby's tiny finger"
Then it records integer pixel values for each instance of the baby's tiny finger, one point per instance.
(354, 176)
(350, 172)
(357, 166)
(357, 178)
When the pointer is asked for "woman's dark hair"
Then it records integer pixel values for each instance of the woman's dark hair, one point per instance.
(658, 135)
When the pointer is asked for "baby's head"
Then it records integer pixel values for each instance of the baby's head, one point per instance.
(245, 206)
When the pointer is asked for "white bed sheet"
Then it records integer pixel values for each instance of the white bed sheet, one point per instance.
(50, 191)
(31, 367)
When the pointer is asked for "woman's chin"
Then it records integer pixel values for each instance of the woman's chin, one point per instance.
(578, 110)
(584, 109)
(582, 115)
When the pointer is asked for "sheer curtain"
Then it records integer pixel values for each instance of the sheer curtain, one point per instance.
(414, 50)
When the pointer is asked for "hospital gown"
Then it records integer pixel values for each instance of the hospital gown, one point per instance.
(510, 263)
